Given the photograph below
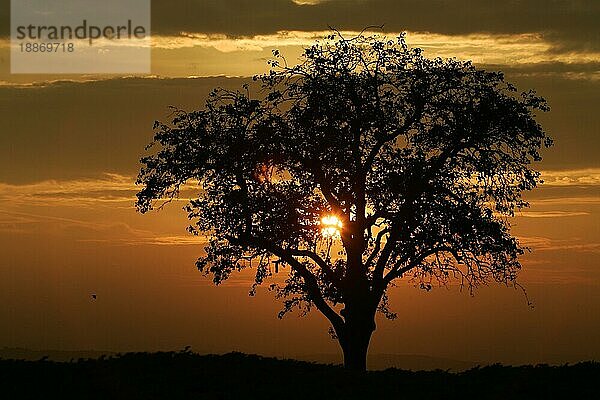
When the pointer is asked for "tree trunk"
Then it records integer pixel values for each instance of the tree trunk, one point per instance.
(355, 352)
(355, 338)
(359, 309)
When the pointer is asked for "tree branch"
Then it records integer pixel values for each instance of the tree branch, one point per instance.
(398, 272)
(377, 248)
(325, 267)
(312, 286)
(384, 257)
(402, 129)
(321, 179)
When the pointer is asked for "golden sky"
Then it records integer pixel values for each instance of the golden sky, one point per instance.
(69, 151)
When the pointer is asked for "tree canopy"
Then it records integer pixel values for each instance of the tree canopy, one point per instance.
(418, 162)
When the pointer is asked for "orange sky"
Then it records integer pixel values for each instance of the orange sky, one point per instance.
(68, 157)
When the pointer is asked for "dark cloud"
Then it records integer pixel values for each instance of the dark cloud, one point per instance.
(570, 24)
(69, 130)
(585, 69)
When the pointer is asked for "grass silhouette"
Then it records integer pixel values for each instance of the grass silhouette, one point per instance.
(186, 375)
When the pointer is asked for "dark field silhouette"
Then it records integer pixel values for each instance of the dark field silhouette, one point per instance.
(185, 375)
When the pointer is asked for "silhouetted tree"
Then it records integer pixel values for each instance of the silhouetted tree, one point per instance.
(416, 164)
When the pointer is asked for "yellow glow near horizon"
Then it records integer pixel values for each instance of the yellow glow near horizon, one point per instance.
(331, 225)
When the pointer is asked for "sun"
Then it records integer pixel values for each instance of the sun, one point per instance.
(331, 225)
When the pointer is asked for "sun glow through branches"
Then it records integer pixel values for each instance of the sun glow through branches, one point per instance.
(331, 226)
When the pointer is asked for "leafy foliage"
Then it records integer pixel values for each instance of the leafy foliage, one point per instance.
(423, 161)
